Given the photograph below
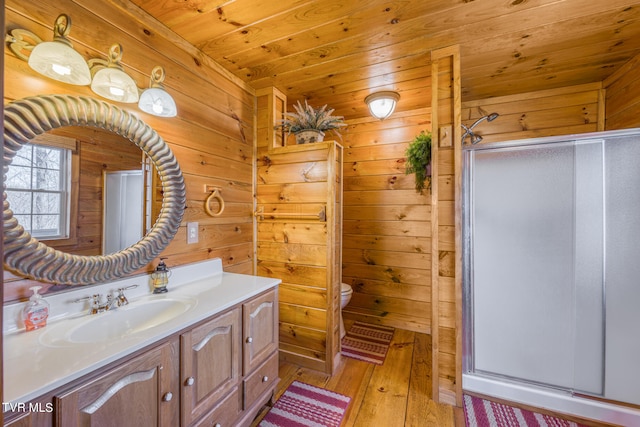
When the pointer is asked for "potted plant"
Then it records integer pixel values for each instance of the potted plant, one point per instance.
(419, 159)
(309, 124)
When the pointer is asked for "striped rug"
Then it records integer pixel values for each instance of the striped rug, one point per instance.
(484, 413)
(304, 405)
(367, 342)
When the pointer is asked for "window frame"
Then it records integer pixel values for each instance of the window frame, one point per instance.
(70, 144)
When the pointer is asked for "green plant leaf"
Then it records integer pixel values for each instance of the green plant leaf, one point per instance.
(418, 155)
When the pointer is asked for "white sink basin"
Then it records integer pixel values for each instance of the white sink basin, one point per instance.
(121, 323)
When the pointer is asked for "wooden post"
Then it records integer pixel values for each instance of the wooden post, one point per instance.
(446, 264)
(276, 107)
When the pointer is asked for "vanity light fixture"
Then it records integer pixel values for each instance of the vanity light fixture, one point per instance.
(155, 100)
(109, 79)
(55, 59)
(382, 104)
(59, 61)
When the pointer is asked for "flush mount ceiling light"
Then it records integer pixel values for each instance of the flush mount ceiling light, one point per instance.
(109, 79)
(55, 59)
(155, 100)
(382, 104)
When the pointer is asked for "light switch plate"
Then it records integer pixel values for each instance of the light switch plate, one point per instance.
(192, 232)
(445, 136)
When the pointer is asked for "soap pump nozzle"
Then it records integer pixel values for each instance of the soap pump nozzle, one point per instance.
(160, 277)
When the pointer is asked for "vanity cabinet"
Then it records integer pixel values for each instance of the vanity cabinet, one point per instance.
(38, 414)
(218, 372)
(142, 392)
(210, 365)
(230, 364)
(260, 352)
(260, 332)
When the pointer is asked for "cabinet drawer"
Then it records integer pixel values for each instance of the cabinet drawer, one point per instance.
(260, 380)
(225, 412)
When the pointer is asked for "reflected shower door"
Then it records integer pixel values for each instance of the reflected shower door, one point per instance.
(123, 210)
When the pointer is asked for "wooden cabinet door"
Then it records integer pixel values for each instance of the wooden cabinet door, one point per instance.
(31, 419)
(210, 364)
(260, 324)
(142, 392)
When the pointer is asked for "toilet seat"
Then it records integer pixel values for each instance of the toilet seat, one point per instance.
(345, 296)
(345, 289)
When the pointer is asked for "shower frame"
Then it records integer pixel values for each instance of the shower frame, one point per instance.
(561, 398)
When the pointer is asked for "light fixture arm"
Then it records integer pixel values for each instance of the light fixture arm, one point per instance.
(21, 41)
(112, 61)
(61, 29)
(157, 77)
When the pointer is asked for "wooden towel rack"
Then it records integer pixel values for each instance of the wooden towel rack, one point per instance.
(321, 216)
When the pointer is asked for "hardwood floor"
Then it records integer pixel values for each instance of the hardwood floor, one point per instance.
(395, 394)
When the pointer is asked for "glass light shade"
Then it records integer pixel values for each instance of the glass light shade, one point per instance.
(115, 84)
(158, 102)
(60, 62)
(382, 104)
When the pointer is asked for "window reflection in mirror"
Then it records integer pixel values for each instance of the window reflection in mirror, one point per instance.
(71, 193)
(38, 190)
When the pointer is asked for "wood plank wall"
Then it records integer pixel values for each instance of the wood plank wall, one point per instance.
(386, 229)
(212, 137)
(563, 111)
(623, 97)
(298, 246)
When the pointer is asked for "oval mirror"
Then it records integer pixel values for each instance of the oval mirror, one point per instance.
(25, 119)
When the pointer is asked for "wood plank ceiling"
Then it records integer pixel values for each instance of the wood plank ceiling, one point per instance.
(337, 51)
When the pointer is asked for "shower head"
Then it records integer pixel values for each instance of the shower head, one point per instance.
(491, 117)
(474, 139)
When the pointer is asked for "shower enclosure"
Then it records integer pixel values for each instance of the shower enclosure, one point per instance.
(552, 273)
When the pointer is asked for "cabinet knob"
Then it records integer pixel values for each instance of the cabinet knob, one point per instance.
(190, 381)
(167, 397)
(249, 340)
(265, 379)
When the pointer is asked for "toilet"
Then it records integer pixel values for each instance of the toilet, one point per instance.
(345, 297)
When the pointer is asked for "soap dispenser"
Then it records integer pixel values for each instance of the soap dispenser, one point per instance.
(36, 311)
(160, 278)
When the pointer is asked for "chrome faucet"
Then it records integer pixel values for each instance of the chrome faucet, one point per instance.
(112, 303)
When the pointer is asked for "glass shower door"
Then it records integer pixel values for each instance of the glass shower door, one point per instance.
(623, 269)
(535, 229)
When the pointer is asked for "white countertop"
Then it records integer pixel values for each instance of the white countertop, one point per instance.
(35, 365)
